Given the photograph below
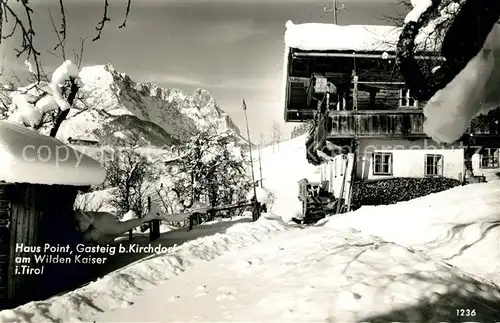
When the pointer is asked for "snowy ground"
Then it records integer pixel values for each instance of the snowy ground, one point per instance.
(121, 287)
(417, 261)
(315, 275)
(171, 236)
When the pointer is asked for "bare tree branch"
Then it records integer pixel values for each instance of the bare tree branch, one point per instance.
(124, 23)
(63, 20)
(1, 19)
(61, 36)
(23, 23)
(12, 31)
(61, 116)
(79, 56)
(55, 55)
(14, 75)
(105, 18)
(2, 65)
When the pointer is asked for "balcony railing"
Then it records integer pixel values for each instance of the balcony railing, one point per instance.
(384, 123)
(400, 123)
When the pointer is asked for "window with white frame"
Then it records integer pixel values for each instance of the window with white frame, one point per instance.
(382, 163)
(406, 100)
(433, 165)
(489, 158)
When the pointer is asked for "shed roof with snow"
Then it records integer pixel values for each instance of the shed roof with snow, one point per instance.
(27, 156)
(358, 38)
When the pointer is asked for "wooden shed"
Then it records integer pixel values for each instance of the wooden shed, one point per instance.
(39, 180)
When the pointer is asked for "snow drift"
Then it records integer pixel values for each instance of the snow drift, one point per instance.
(120, 288)
(460, 226)
(29, 157)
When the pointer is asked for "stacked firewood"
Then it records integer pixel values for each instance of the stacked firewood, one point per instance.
(393, 190)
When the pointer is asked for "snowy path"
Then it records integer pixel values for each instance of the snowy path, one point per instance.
(123, 286)
(314, 275)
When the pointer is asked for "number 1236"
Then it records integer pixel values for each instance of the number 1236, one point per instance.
(466, 312)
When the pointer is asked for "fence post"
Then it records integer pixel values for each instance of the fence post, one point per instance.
(191, 222)
(154, 226)
(255, 209)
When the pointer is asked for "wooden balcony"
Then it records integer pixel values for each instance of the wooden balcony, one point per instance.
(368, 96)
(376, 124)
(400, 123)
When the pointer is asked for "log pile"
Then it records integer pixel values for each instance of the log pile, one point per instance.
(393, 190)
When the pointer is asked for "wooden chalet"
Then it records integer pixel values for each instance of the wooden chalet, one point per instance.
(353, 76)
(346, 80)
(39, 181)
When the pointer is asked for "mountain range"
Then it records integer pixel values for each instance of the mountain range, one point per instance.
(112, 108)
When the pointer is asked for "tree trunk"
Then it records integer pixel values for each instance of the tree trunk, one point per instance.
(61, 116)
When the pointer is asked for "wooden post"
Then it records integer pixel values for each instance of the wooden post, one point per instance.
(250, 152)
(351, 183)
(154, 226)
(255, 209)
(342, 187)
(260, 163)
(191, 222)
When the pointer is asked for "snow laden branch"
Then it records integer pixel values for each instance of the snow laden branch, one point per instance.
(33, 104)
(473, 21)
(465, 84)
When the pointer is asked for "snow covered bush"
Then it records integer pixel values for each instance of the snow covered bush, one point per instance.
(264, 196)
(96, 201)
(132, 175)
(212, 169)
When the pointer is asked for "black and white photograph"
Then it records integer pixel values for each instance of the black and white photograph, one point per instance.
(249, 161)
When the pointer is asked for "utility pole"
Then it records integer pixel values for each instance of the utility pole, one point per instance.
(256, 206)
(335, 10)
(260, 158)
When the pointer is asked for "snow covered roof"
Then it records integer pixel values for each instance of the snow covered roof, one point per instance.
(330, 37)
(27, 156)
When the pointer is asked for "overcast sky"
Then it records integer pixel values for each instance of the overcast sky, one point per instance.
(233, 49)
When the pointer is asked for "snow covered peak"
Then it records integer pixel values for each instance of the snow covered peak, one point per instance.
(98, 75)
(115, 105)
